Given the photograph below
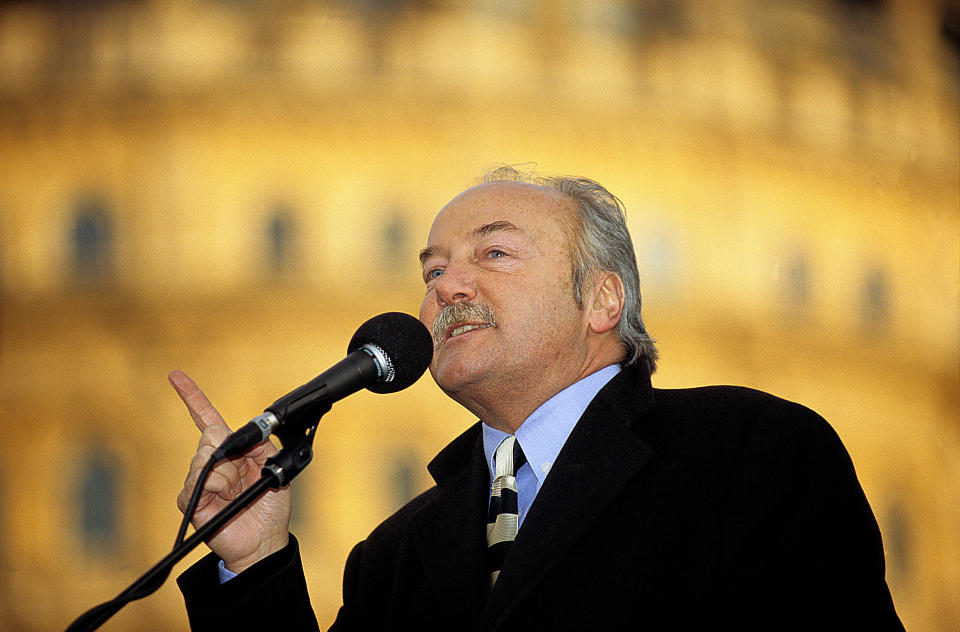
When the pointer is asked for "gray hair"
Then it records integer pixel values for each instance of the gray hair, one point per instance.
(600, 241)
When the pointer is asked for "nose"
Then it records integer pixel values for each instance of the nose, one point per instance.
(456, 285)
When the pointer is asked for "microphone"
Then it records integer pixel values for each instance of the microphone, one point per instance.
(387, 354)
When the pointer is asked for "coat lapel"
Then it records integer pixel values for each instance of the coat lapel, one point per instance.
(599, 458)
(450, 532)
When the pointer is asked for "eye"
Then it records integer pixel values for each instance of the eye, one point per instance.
(433, 274)
(496, 254)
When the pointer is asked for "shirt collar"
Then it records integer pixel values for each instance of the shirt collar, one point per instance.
(543, 433)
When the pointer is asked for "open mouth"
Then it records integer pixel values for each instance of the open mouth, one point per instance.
(465, 328)
(460, 318)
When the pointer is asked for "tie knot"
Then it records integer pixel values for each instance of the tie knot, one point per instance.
(509, 457)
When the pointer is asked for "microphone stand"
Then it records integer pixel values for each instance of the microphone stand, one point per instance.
(278, 471)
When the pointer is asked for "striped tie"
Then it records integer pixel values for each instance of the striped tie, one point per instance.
(503, 518)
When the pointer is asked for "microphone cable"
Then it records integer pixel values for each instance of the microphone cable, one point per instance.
(194, 499)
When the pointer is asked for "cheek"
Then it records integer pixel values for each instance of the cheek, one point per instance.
(428, 310)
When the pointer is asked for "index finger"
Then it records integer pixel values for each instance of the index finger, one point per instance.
(201, 410)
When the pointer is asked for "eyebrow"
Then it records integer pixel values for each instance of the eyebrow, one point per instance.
(486, 229)
(427, 252)
(480, 231)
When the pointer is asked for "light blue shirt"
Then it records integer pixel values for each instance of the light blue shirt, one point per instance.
(543, 433)
(225, 573)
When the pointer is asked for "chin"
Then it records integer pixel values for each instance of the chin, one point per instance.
(452, 377)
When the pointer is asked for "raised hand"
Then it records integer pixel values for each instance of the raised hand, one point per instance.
(259, 530)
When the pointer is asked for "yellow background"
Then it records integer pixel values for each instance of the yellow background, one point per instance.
(792, 182)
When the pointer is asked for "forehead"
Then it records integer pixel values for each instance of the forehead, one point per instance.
(531, 209)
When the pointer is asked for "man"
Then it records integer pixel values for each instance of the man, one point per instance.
(637, 508)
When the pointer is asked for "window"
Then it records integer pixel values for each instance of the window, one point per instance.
(403, 479)
(281, 238)
(98, 500)
(897, 539)
(91, 242)
(796, 281)
(874, 301)
(394, 235)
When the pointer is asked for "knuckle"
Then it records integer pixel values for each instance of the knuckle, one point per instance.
(182, 502)
(216, 483)
(213, 436)
(230, 474)
(200, 458)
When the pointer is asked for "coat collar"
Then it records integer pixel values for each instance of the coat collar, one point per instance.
(601, 455)
(450, 531)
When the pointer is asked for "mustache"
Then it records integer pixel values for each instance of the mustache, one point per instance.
(459, 314)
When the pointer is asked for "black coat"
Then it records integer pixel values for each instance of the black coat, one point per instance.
(695, 509)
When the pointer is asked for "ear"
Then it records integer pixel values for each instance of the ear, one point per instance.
(608, 298)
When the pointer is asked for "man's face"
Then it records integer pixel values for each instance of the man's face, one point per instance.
(498, 281)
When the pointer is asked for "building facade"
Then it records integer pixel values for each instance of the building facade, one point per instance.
(230, 188)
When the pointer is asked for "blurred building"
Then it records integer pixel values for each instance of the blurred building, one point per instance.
(230, 187)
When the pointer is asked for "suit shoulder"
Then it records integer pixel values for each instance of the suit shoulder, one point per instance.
(735, 398)
(732, 401)
(397, 522)
(391, 534)
(755, 416)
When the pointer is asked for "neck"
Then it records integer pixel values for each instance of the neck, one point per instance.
(506, 406)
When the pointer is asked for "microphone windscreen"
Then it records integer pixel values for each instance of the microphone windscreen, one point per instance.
(406, 342)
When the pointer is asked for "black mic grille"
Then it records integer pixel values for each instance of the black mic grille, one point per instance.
(406, 343)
